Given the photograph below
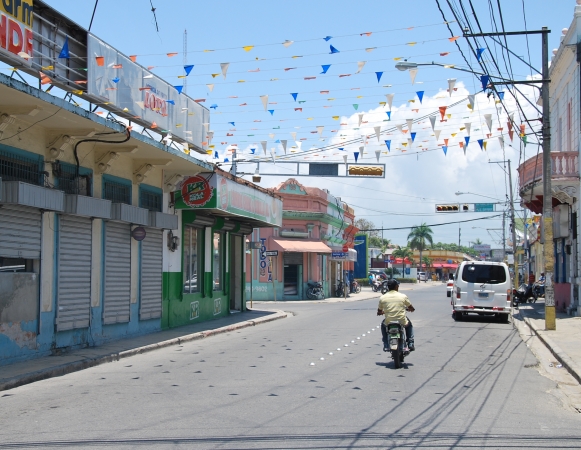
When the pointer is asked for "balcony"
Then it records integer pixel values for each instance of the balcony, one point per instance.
(564, 180)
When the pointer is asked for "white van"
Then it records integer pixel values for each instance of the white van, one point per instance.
(482, 287)
(422, 276)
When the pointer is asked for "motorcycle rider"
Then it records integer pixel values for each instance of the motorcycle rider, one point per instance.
(394, 305)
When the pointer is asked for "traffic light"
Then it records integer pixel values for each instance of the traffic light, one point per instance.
(454, 207)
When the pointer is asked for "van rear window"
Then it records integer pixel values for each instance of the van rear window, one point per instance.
(476, 273)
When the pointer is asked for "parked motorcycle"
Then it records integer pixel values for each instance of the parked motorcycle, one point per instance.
(315, 291)
(524, 293)
(339, 291)
(397, 343)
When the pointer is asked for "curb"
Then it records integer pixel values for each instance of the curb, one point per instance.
(76, 366)
(556, 351)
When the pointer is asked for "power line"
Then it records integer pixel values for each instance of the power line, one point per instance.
(436, 224)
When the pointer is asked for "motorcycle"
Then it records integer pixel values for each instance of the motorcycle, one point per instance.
(384, 287)
(355, 287)
(315, 291)
(539, 289)
(339, 291)
(523, 294)
(376, 286)
(397, 343)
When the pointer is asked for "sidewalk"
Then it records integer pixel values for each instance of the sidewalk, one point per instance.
(29, 371)
(563, 343)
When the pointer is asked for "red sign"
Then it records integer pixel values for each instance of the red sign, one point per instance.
(16, 35)
(196, 191)
(345, 249)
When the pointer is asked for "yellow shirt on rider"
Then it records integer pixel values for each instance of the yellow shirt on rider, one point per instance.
(394, 305)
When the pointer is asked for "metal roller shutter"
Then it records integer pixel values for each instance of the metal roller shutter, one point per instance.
(117, 272)
(20, 229)
(151, 274)
(74, 273)
(293, 258)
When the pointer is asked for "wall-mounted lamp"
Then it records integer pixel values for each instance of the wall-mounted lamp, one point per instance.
(141, 174)
(103, 165)
(256, 177)
(172, 241)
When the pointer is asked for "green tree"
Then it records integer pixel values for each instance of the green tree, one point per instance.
(419, 238)
(477, 242)
(403, 253)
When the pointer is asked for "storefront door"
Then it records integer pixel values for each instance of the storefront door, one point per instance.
(293, 275)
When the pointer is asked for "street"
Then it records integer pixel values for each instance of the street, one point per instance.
(318, 379)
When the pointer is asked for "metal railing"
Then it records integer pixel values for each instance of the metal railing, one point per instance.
(563, 165)
(16, 167)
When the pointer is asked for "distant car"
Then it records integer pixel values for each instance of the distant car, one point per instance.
(422, 276)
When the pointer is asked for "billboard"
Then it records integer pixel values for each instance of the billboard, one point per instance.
(16, 38)
(133, 92)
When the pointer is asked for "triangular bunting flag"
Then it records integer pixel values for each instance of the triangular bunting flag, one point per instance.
(389, 99)
(210, 87)
(442, 111)
(413, 136)
(333, 50)
(65, 50)
(437, 133)
(263, 143)
(188, 69)
(481, 143)
(271, 111)
(179, 89)
(413, 73)
(356, 155)
(325, 68)
(409, 123)
(467, 125)
(377, 132)
(283, 143)
(388, 115)
(433, 121)
(264, 100)
(388, 144)
(295, 95)
(360, 65)
(224, 67)
(484, 79)
(467, 139)
(471, 100)
(479, 52)
(378, 74)
(356, 106)
(360, 118)
(488, 118)
(445, 150)
(420, 95)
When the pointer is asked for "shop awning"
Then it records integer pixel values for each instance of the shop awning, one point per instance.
(300, 246)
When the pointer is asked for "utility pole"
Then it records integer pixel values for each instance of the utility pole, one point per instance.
(547, 230)
(513, 227)
(503, 236)
(185, 88)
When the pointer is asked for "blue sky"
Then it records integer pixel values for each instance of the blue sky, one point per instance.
(417, 178)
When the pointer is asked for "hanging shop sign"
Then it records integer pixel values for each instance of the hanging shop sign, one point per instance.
(16, 31)
(125, 87)
(212, 191)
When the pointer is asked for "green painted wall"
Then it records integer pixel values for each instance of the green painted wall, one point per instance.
(172, 292)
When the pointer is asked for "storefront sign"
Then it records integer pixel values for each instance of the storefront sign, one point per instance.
(138, 233)
(481, 247)
(16, 30)
(212, 191)
(265, 266)
(196, 191)
(125, 87)
(271, 253)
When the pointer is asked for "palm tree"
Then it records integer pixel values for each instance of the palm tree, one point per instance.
(419, 237)
(403, 253)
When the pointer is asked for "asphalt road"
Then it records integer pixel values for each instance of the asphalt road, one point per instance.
(469, 385)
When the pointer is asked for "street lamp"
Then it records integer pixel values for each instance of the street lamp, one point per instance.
(479, 195)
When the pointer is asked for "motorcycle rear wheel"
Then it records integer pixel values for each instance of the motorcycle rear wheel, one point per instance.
(357, 288)
(397, 356)
(311, 294)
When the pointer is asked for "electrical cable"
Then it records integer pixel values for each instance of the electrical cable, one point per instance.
(436, 224)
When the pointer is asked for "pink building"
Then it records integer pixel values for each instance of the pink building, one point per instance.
(315, 243)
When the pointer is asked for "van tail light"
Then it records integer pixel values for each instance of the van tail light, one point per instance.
(508, 291)
(458, 293)
(468, 307)
(498, 308)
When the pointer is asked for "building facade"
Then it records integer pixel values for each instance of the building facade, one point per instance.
(103, 229)
(314, 244)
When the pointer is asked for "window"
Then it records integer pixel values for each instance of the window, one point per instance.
(191, 245)
(150, 198)
(481, 273)
(21, 166)
(117, 191)
(217, 252)
(67, 180)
